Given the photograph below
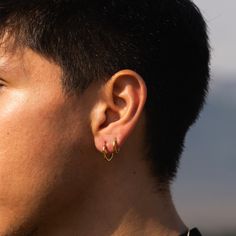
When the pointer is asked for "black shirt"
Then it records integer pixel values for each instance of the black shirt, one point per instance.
(193, 232)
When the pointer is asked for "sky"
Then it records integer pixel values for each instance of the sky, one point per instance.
(221, 19)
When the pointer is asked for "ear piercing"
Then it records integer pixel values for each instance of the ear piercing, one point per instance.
(109, 155)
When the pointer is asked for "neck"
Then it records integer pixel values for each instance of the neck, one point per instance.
(118, 204)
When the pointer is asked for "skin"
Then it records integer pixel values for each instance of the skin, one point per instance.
(53, 177)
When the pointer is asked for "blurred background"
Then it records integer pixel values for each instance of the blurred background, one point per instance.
(205, 189)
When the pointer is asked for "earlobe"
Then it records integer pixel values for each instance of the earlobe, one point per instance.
(117, 111)
(109, 155)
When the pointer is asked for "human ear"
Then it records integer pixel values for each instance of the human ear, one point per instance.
(120, 103)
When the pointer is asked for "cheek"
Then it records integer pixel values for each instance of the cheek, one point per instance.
(34, 149)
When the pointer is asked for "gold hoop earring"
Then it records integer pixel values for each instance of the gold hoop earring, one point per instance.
(115, 146)
(106, 154)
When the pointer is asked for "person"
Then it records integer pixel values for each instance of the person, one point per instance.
(96, 98)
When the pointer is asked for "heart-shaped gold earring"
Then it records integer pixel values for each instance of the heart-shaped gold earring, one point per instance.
(106, 154)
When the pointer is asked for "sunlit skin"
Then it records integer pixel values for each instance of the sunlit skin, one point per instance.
(54, 180)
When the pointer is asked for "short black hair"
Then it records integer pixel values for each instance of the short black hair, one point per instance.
(165, 41)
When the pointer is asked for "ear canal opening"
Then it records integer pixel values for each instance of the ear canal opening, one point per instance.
(110, 118)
